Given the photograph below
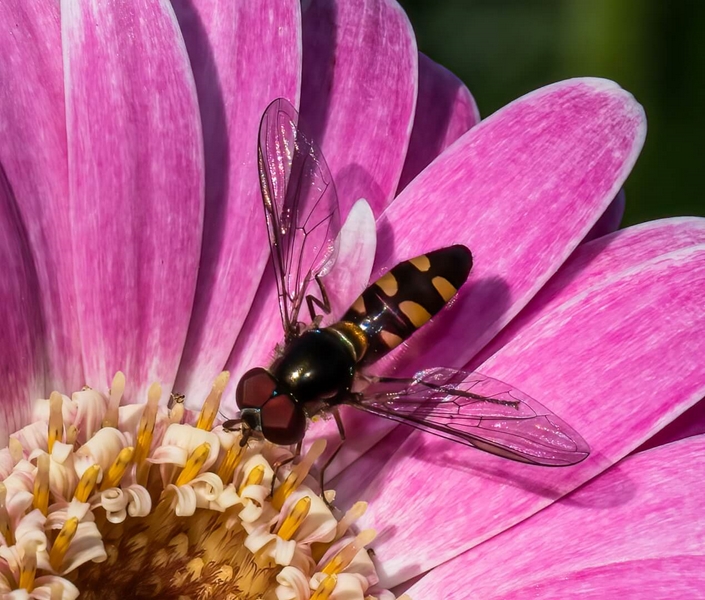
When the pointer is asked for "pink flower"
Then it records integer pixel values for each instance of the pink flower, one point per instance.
(132, 236)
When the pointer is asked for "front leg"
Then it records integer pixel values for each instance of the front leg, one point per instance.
(329, 460)
(323, 304)
(281, 463)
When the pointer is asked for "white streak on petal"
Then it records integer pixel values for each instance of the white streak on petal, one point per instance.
(62, 477)
(128, 420)
(184, 500)
(87, 545)
(253, 462)
(61, 452)
(258, 538)
(283, 551)
(349, 586)
(90, 408)
(42, 410)
(189, 438)
(102, 449)
(43, 588)
(31, 530)
(254, 497)
(6, 463)
(293, 585)
(19, 486)
(169, 455)
(139, 502)
(319, 526)
(32, 436)
(208, 487)
(79, 510)
(227, 499)
(116, 517)
(114, 501)
(60, 512)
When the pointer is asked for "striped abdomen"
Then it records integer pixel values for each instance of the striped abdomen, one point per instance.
(406, 297)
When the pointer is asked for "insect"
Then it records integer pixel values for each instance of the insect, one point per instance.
(321, 368)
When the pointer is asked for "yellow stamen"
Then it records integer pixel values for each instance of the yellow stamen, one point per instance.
(88, 480)
(318, 549)
(349, 518)
(28, 567)
(71, 434)
(295, 518)
(232, 457)
(194, 464)
(210, 407)
(298, 474)
(62, 543)
(5, 517)
(16, 450)
(145, 432)
(56, 419)
(117, 389)
(255, 477)
(326, 588)
(41, 484)
(117, 469)
(346, 555)
(176, 413)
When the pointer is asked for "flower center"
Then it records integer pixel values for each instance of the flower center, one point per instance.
(164, 556)
(141, 501)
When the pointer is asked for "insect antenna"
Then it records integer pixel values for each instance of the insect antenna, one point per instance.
(231, 424)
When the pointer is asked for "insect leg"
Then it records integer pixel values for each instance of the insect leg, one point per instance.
(322, 471)
(323, 304)
(281, 463)
(231, 424)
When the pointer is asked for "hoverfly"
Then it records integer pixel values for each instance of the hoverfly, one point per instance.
(320, 368)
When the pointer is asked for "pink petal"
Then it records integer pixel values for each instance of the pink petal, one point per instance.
(671, 577)
(617, 362)
(445, 110)
(356, 255)
(687, 424)
(646, 511)
(350, 275)
(22, 342)
(136, 183)
(358, 93)
(610, 219)
(243, 55)
(521, 190)
(33, 153)
(592, 262)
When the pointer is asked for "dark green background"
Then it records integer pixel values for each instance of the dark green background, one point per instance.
(654, 48)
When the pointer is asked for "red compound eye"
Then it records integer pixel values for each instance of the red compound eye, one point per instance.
(255, 388)
(283, 420)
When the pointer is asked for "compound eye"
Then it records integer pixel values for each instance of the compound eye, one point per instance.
(254, 388)
(283, 421)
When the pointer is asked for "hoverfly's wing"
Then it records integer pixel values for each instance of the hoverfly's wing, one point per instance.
(478, 411)
(300, 206)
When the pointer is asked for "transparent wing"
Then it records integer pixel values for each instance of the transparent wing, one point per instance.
(478, 411)
(300, 206)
